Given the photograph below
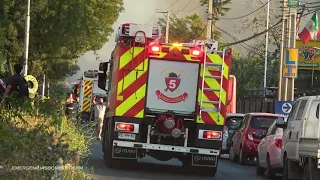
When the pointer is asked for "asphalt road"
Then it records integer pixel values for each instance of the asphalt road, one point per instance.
(147, 169)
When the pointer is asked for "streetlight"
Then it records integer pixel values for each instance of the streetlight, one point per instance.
(26, 41)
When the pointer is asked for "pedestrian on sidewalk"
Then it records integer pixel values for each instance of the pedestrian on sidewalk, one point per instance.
(99, 112)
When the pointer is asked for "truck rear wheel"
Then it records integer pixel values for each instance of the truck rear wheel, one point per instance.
(107, 146)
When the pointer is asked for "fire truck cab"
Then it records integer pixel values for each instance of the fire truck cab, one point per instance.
(165, 100)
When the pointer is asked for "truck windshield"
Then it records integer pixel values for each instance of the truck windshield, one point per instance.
(233, 123)
(262, 122)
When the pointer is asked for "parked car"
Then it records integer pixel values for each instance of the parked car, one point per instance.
(246, 140)
(269, 153)
(232, 124)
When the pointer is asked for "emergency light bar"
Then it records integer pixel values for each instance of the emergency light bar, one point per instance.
(131, 29)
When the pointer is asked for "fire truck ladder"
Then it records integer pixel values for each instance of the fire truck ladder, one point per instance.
(206, 67)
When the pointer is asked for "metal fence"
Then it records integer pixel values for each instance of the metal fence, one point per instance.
(248, 105)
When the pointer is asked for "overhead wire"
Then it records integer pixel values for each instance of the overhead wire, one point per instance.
(240, 17)
(152, 17)
(186, 5)
(191, 9)
(172, 4)
(252, 37)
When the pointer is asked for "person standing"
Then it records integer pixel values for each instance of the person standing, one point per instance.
(99, 112)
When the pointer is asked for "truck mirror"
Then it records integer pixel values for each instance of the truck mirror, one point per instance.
(102, 81)
(103, 66)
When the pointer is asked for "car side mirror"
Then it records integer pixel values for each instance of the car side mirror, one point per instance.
(280, 123)
(102, 81)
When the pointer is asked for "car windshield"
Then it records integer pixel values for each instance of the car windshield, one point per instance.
(262, 122)
(233, 123)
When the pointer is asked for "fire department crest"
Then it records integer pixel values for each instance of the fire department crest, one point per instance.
(172, 93)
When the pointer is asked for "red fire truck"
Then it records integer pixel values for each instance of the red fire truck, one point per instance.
(165, 100)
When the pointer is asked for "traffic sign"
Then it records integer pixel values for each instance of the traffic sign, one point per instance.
(293, 3)
(283, 107)
(290, 63)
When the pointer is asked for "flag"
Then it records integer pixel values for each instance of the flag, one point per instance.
(311, 30)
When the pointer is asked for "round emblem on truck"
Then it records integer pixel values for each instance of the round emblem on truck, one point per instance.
(171, 93)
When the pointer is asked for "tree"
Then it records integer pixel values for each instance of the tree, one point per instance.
(60, 31)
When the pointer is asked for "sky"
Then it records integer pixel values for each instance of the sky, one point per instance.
(143, 11)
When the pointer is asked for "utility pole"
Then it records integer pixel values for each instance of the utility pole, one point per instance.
(209, 17)
(266, 50)
(168, 24)
(43, 85)
(288, 40)
(26, 41)
(167, 27)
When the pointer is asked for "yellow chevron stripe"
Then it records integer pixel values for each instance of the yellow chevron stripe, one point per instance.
(140, 114)
(132, 77)
(88, 93)
(131, 101)
(85, 106)
(127, 56)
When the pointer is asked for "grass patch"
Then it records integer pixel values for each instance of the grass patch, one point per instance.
(34, 137)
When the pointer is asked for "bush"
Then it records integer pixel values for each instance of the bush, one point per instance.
(38, 135)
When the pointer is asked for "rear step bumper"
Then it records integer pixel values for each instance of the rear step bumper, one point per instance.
(161, 147)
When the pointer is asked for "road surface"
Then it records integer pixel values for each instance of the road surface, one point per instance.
(145, 170)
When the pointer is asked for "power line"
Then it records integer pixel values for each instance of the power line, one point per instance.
(191, 9)
(172, 4)
(252, 37)
(152, 17)
(246, 14)
(186, 5)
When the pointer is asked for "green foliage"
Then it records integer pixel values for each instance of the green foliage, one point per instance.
(249, 72)
(38, 134)
(60, 31)
(220, 5)
(184, 29)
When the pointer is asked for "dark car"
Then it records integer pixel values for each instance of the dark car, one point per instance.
(232, 124)
(252, 130)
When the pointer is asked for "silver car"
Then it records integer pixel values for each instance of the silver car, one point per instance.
(232, 124)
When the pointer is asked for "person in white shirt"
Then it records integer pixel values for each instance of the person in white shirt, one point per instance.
(99, 111)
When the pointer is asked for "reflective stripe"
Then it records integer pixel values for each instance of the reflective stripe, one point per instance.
(131, 101)
(132, 77)
(212, 117)
(127, 56)
(88, 90)
(86, 106)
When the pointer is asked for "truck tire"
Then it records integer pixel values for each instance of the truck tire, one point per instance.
(107, 147)
(306, 174)
(285, 175)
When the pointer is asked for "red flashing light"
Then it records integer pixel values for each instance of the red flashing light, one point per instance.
(88, 87)
(278, 143)
(195, 52)
(212, 135)
(155, 48)
(124, 127)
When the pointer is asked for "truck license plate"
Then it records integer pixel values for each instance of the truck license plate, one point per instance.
(127, 136)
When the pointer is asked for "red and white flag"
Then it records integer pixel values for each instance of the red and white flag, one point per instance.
(312, 29)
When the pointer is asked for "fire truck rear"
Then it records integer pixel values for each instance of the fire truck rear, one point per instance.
(165, 100)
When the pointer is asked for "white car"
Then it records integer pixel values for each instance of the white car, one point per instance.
(269, 152)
